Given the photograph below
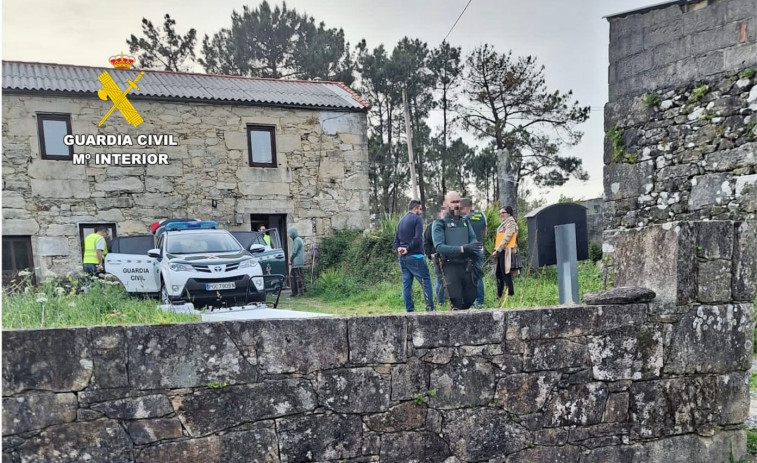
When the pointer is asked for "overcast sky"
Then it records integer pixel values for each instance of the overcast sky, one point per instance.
(569, 37)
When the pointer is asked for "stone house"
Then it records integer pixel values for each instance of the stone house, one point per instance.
(241, 151)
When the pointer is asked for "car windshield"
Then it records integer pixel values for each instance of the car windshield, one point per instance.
(200, 244)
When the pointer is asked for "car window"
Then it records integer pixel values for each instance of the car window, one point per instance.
(198, 244)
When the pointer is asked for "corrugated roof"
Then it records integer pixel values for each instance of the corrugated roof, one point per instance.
(45, 77)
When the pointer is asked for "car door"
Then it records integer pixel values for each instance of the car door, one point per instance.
(272, 259)
(130, 264)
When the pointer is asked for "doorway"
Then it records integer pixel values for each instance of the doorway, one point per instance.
(279, 222)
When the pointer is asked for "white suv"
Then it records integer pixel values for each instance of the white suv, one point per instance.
(193, 262)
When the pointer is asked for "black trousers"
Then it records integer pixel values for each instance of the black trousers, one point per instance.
(461, 286)
(298, 281)
(503, 279)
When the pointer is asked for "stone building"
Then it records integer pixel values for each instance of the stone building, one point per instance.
(242, 151)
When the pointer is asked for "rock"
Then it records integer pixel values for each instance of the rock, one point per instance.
(185, 355)
(148, 406)
(563, 454)
(407, 416)
(409, 379)
(101, 440)
(616, 409)
(109, 357)
(555, 354)
(462, 382)
(627, 353)
(524, 394)
(259, 445)
(457, 329)
(744, 281)
(377, 339)
(34, 411)
(483, 434)
(353, 390)
(420, 447)
(320, 437)
(620, 295)
(149, 431)
(567, 322)
(581, 404)
(57, 360)
(210, 410)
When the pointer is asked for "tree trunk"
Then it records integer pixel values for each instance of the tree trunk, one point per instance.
(508, 190)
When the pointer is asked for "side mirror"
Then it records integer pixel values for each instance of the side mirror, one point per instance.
(255, 248)
(153, 253)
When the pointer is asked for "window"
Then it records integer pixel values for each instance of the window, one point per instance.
(52, 128)
(261, 142)
(86, 229)
(17, 256)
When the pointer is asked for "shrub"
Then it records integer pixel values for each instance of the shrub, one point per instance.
(698, 93)
(747, 73)
(595, 252)
(651, 99)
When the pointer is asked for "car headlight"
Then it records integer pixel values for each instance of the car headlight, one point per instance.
(249, 263)
(180, 267)
(258, 282)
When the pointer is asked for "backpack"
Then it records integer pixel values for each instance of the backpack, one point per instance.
(428, 241)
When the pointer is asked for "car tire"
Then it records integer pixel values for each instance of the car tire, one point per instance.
(164, 297)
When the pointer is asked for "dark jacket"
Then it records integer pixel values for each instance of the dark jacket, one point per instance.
(297, 258)
(409, 234)
(446, 250)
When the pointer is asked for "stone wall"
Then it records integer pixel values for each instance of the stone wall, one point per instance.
(661, 381)
(321, 182)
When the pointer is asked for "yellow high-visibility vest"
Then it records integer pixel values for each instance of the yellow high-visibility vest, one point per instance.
(90, 248)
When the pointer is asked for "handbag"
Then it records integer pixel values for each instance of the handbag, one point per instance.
(516, 263)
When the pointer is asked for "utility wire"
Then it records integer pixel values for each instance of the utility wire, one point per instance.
(458, 19)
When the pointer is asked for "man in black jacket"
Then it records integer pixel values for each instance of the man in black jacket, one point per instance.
(408, 242)
(456, 241)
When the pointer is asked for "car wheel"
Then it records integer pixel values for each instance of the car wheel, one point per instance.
(164, 297)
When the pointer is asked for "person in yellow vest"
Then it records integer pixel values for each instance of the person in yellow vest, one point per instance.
(266, 237)
(95, 249)
(504, 245)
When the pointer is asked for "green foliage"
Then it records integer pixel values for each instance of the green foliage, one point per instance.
(216, 385)
(651, 99)
(747, 73)
(164, 50)
(751, 441)
(751, 131)
(595, 252)
(421, 399)
(615, 135)
(698, 93)
(58, 301)
(707, 116)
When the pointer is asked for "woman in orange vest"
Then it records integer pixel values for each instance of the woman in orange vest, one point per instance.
(504, 244)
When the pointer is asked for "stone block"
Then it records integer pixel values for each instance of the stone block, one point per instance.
(466, 381)
(377, 339)
(13, 200)
(745, 191)
(622, 180)
(483, 434)
(627, 353)
(710, 190)
(610, 317)
(581, 404)
(126, 185)
(235, 140)
(620, 295)
(555, 354)
(320, 438)
(714, 239)
(740, 57)
(457, 329)
(33, 411)
(524, 394)
(744, 281)
(566, 322)
(733, 399)
(421, 447)
(407, 416)
(102, 440)
(672, 406)
(301, 346)
(712, 339)
(188, 355)
(660, 258)
(562, 454)
(353, 390)
(409, 379)
(287, 143)
(109, 357)
(121, 202)
(207, 411)
(133, 408)
(52, 246)
(616, 409)
(149, 431)
(20, 227)
(714, 281)
(258, 444)
(57, 360)
(44, 169)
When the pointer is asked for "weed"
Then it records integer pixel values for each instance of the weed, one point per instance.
(422, 398)
(615, 135)
(707, 116)
(650, 99)
(751, 441)
(698, 93)
(216, 385)
(747, 73)
(751, 132)
(595, 252)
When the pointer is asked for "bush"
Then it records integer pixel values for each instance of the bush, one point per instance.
(595, 252)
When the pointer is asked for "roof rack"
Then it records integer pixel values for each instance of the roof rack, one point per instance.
(174, 226)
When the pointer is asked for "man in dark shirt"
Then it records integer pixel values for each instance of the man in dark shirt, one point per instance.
(408, 242)
(477, 219)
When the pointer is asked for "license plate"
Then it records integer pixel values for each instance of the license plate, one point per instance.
(216, 286)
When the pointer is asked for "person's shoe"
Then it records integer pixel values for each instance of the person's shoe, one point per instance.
(430, 309)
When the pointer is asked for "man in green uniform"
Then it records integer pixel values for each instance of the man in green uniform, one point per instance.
(266, 238)
(95, 249)
(455, 240)
(477, 220)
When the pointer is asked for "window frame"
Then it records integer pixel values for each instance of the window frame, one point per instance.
(271, 129)
(111, 236)
(10, 274)
(41, 118)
